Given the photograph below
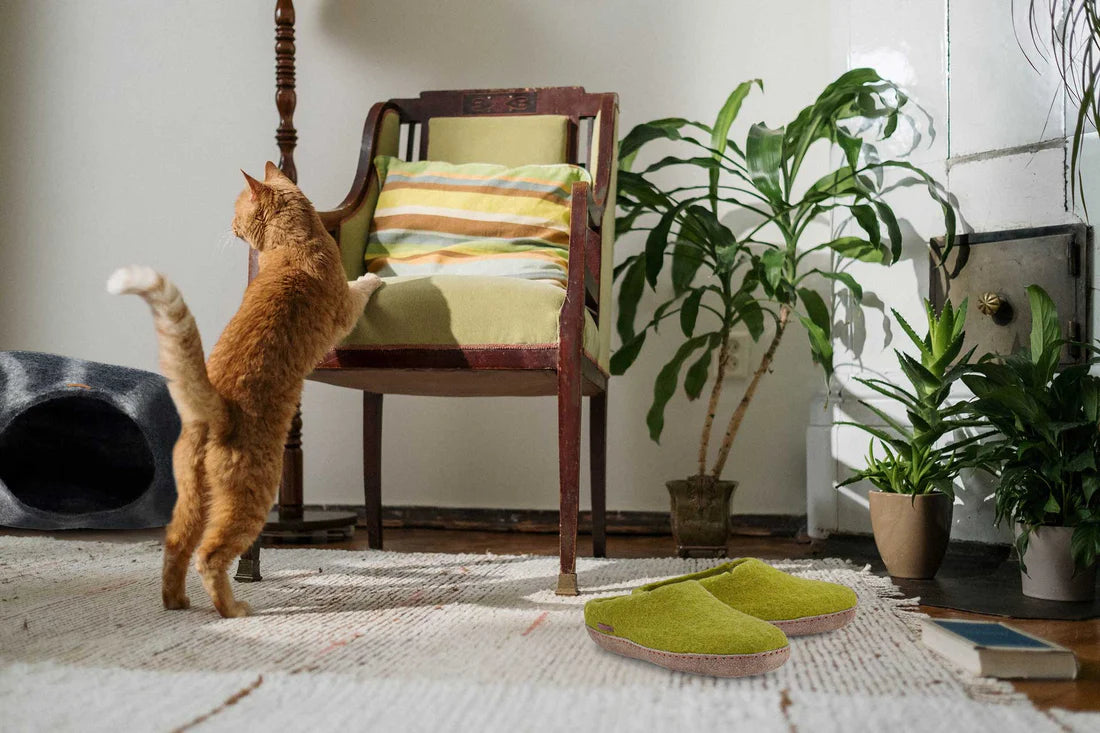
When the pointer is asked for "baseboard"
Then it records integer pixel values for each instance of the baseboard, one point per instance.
(546, 520)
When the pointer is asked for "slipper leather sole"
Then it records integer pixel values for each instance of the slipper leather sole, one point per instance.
(714, 665)
(816, 624)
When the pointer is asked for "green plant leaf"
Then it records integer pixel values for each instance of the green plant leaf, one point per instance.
(689, 311)
(665, 386)
(696, 377)
(893, 231)
(751, 314)
(657, 241)
(686, 261)
(763, 156)
(821, 347)
(667, 129)
(719, 138)
(728, 113)
(774, 262)
(845, 278)
(937, 195)
(627, 353)
(816, 309)
(856, 248)
(921, 344)
(1046, 332)
(868, 222)
(630, 292)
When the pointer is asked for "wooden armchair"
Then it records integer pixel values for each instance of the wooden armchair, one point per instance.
(388, 355)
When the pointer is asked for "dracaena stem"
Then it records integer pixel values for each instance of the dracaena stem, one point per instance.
(750, 391)
(712, 406)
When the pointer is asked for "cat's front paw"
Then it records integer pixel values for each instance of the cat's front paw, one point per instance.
(366, 284)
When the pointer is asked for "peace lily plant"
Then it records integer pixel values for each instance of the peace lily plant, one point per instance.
(1045, 455)
(724, 279)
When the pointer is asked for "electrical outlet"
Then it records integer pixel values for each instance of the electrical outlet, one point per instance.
(740, 355)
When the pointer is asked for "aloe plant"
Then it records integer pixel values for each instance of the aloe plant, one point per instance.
(1049, 425)
(915, 457)
(721, 279)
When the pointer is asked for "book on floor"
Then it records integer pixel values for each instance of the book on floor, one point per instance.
(994, 649)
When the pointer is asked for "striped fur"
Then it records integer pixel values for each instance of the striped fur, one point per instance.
(474, 219)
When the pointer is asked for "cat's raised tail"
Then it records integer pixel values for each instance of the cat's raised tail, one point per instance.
(180, 346)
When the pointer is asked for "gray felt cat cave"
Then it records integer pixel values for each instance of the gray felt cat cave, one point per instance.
(84, 444)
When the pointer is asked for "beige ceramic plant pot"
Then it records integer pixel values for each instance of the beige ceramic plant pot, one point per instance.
(1051, 573)
(701, 515)
(911, 532)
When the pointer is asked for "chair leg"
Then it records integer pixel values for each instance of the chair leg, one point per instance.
(372, 467)
(597, 443)
(248, 567)
(569, 471)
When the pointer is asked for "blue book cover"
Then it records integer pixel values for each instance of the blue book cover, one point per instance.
(986, 634)
(993, 649)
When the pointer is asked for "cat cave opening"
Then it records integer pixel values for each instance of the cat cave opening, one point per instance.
(75, 454)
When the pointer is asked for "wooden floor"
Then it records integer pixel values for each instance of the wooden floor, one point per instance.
(1081, 636)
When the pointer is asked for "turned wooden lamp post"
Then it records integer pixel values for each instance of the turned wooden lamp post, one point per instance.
(290, 518)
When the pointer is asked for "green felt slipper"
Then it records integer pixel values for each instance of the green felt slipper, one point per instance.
(796, 605)
(684, 628)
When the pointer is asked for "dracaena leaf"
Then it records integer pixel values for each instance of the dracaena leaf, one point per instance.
(763, 157)
(627, 353)
(630, 292)
(665, 385)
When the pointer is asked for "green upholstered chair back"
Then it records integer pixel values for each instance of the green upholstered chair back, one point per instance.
(508, 127)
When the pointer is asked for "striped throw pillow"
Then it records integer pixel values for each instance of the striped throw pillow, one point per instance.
(472, 219)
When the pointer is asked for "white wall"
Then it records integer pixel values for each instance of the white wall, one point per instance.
(999, 150)
(125, 122)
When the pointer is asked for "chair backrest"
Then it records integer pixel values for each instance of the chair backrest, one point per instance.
(505, 126)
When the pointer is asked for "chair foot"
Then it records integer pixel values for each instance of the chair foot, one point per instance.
(248, 568)
(567, 584)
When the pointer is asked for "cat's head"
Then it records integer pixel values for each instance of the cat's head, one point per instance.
(273, 212)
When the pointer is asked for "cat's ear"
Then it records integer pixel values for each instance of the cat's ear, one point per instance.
(255, 186)
(272, 171)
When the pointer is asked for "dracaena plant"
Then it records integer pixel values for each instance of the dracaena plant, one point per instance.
(927, 454)
(722, 279)
(1049, 426)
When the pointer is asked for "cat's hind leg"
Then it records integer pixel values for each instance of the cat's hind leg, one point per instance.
(242, 489)
(188, 517)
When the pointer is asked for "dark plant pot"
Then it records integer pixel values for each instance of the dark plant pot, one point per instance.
(911, 532)
(701, 515)
(1051, 573)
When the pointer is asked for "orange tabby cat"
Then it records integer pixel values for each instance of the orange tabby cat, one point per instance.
(237, 407)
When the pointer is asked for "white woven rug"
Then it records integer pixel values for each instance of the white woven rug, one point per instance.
(389, 641)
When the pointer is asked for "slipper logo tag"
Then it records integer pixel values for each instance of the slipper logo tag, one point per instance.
(605, 627)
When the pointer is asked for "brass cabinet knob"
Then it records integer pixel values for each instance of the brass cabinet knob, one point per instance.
(990, 303)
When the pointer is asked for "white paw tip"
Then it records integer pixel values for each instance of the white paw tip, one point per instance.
(133, 279)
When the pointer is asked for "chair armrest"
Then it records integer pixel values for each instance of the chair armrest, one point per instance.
(601, 182)
(583, 269)
(372, 128)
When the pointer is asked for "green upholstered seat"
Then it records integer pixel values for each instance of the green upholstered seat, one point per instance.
(465, 310)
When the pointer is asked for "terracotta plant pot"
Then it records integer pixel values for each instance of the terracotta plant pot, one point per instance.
(701, 515)
(911, 532)
(1051, 573)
